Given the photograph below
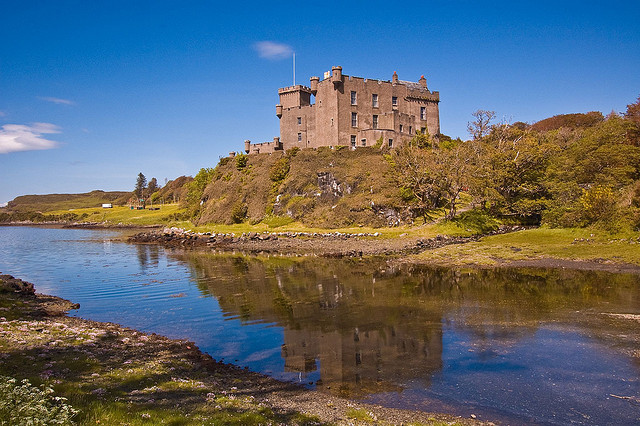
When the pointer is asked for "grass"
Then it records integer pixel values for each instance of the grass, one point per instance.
(123, 214)
(565, 244)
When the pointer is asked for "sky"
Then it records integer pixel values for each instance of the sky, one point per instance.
(94, 92)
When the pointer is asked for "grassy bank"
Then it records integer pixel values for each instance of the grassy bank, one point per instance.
(538, 244)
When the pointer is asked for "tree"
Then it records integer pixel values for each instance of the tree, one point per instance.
(196, 187)
(153, 186)
(633, 111)
(431, 177)
(482, 124)
(141, 184)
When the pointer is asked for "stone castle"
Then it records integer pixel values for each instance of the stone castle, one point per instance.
(352, 111)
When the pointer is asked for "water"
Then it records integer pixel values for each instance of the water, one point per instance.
(516, 345)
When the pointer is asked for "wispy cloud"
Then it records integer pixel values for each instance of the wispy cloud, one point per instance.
(20, 137)
(58, 101)
(272, 50)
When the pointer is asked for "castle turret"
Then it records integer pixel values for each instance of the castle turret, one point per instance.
(247, 146)
(314, 85)
(279, 110)
(336, 75)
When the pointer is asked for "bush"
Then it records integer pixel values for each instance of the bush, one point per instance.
(25, 404)
(279, 170)
(239, 213)
(241, 161)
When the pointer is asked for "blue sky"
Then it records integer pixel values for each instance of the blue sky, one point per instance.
(94, 92)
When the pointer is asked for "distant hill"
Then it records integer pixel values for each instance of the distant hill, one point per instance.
(175, 190)
(51, 202)
(571, 121)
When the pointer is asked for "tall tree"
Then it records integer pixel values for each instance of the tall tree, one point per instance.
(481, 126)
(141, 184)
(153, 186)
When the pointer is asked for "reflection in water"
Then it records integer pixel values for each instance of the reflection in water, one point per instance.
(521, 345)
(511, 336)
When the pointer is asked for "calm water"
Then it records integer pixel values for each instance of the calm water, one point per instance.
(516, 345)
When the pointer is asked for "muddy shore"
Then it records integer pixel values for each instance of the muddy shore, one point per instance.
(35, 326)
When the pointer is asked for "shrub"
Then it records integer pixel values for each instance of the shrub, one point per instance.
(223, 161)
(241, 161)
(279, 169)
(24, 404)
(239, 212)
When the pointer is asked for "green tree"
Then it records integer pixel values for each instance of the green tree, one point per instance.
(431, 177)
(195, 198)
(153, 186)
(509, 174)
(141, 185)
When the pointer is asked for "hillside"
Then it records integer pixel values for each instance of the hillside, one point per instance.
(51, 202)
(324, 187)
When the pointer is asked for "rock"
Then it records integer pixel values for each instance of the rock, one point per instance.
(16, 285)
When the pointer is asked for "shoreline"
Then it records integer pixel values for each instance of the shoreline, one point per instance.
(39, 328)
(399, 249)
(413, 250)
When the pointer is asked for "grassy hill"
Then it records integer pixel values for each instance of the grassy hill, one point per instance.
(51, 202)
(325, 188)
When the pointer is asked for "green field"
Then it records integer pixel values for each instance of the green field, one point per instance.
(124, 214)
(541, 243)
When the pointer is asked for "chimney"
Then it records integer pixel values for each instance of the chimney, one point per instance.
(423, 81)
(395, 78)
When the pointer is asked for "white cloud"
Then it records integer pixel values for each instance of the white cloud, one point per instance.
(58, 101)
(20, 137)
(272, 50)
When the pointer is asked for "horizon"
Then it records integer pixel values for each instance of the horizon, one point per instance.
(94, 94)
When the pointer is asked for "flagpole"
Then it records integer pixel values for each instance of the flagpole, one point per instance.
(294, 68)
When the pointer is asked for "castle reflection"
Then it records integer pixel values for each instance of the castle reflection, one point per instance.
(361, 326)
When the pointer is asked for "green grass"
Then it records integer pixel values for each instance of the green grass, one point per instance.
(565, 244)
(123, 214)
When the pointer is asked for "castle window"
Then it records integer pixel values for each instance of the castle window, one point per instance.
(299, 120)
(374, 100)
(423, 130)
(354, 99)
(409, 129)
(375, 122)
(299, 137)
(390, 143)
(394, 101)
(354, 119)
(423, 113)
(364, 142)
(401, 128)
(353, 141)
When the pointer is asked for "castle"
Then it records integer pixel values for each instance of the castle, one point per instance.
(352, 111)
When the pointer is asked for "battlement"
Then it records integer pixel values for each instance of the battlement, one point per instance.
(297, 87)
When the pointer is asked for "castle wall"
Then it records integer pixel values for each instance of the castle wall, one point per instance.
(328, 121)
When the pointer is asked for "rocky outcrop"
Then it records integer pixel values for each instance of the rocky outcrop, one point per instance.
(16, 285)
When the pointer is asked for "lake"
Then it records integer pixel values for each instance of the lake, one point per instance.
(548, 346)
